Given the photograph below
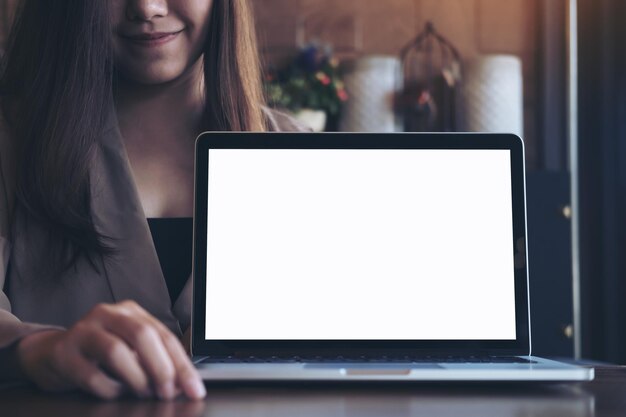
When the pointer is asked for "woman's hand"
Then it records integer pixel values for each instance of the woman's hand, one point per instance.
(113, 348)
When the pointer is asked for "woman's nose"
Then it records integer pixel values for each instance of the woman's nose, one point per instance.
(146, 9)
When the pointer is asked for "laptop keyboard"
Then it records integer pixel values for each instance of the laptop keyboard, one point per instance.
(366, 359)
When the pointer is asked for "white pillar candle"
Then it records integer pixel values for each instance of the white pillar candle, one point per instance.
(371, 83)
(492, 95)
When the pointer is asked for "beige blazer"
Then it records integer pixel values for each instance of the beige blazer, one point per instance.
(30, 303)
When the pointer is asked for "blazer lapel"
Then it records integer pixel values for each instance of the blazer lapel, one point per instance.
(133, 271)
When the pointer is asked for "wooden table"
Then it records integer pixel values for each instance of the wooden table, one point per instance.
(606, 396)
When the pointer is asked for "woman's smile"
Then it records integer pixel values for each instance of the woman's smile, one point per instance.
(157, 41)
(151, 39)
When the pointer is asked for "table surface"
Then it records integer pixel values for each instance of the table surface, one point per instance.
(605, 396)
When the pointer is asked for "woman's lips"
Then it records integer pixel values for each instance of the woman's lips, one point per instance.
(151, 39)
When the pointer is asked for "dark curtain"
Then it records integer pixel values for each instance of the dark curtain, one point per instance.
(602, 157)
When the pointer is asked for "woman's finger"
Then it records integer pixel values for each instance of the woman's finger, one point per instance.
(115, 356)
(141, 335)
(88, 377)
(186, 374)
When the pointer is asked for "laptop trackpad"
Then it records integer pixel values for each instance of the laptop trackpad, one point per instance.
(372, 368)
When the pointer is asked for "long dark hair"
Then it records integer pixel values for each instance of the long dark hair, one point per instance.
(56, 91)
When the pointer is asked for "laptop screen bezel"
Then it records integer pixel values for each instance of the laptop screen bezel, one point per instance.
(457, 141)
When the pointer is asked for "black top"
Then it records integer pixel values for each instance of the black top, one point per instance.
(173, 239)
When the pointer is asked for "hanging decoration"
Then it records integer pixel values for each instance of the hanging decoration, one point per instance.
(432, 74)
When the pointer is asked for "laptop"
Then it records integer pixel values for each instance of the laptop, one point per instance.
(363, 257)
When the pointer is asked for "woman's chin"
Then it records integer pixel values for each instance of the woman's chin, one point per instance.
(146, 77)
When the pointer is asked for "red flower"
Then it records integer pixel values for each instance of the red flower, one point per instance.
(341, 93)
(323, 78)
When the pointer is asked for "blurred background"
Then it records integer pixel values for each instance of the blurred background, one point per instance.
(550, 71)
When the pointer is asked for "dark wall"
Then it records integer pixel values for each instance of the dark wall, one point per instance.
(602, 150)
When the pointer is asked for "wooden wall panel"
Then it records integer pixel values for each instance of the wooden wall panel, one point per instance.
(277, 24)
(329, 21)
(505, 26)
(455, 19)
(387, 25)
(383, 27)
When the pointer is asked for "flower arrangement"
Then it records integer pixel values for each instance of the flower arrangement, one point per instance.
(310, 81)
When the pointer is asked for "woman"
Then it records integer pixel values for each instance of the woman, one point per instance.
(101, 102)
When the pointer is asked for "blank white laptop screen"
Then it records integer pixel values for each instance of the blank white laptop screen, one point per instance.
(359, 245)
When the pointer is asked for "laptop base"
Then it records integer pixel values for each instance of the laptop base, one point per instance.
(541, 370)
